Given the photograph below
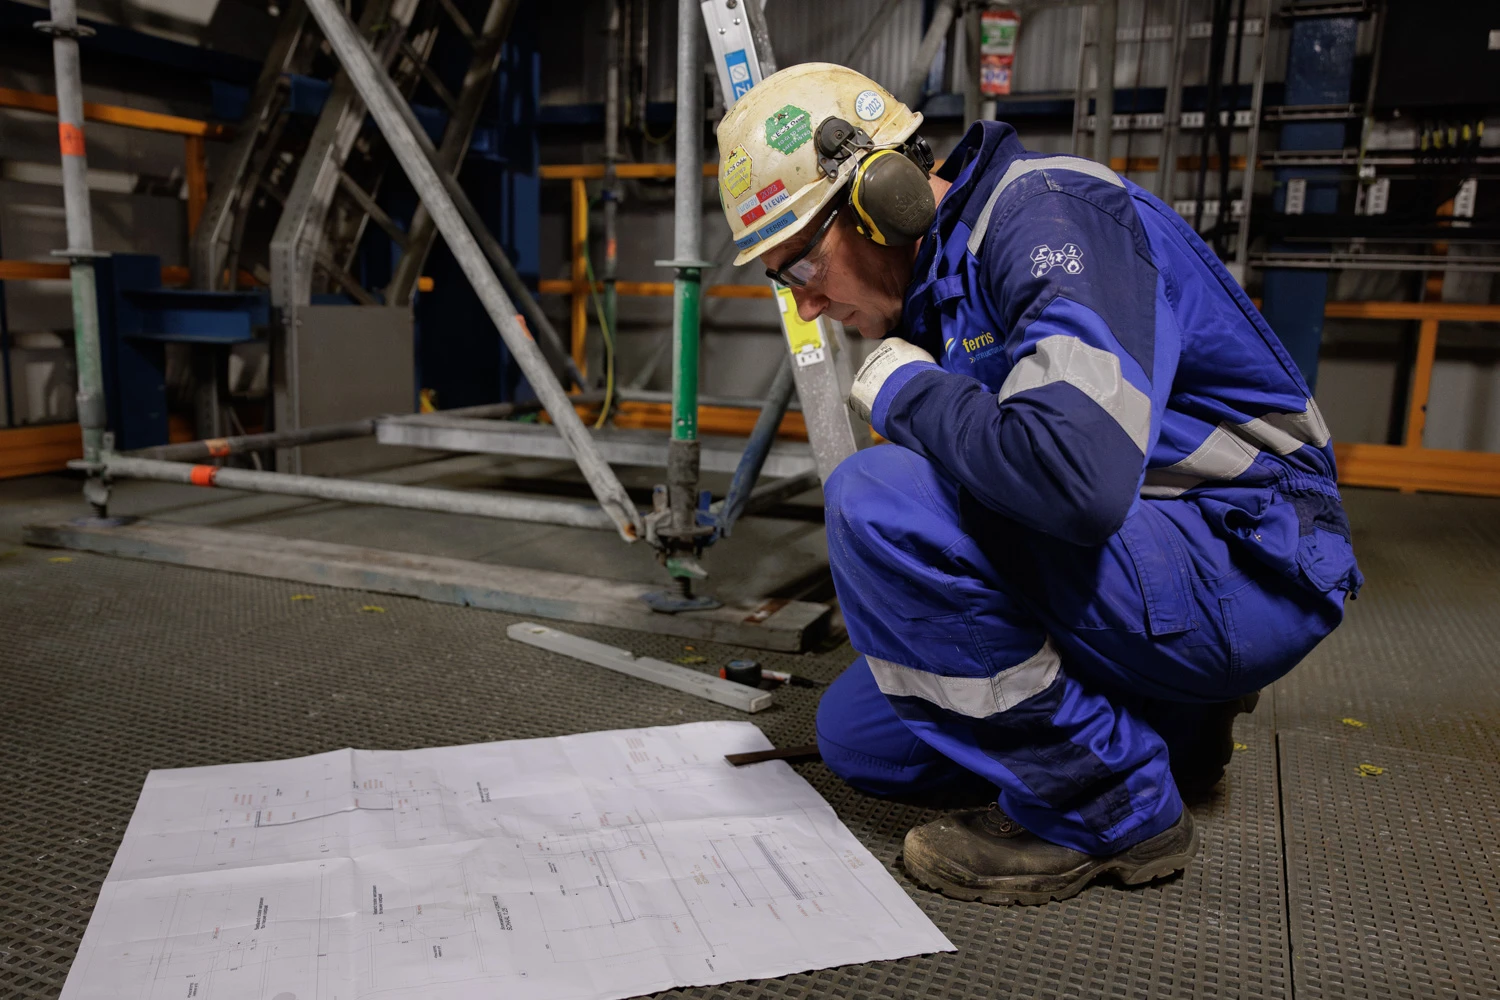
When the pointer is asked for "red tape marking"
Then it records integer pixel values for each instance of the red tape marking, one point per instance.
(70, 139)
(203, 475)
(217, 447)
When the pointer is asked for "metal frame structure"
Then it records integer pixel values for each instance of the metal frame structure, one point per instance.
(679, 527)
(816, 366)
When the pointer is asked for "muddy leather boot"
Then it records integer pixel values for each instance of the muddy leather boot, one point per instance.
(983, 854)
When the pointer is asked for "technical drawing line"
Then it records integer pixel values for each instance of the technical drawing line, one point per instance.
(686, 906)
(870, 892)
(776, 866)
(307, 819)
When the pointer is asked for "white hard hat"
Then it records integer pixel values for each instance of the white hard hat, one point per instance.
(770, 182)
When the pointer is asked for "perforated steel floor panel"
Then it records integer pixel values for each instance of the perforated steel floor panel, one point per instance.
(110, 667)
(1396, 851)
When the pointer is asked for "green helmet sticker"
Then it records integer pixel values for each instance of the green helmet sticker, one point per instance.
(788, 129)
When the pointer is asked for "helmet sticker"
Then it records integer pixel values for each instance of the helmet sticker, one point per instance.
(766, 231)
(789, 129)
(765, 200)
(869, 105)
(735, 173)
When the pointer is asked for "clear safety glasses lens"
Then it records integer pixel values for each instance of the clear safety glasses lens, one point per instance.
(798, 271)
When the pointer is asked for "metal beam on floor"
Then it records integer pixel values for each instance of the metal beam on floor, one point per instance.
(775, 624)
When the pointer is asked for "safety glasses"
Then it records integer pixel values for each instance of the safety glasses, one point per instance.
(798, 271)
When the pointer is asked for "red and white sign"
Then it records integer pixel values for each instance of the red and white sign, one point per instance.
(765, 200)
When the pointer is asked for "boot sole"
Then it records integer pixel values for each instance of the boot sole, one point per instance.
(1031, 891)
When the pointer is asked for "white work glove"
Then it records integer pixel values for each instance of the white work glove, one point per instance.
(882, 363)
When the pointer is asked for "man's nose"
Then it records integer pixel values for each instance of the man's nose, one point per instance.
(809, 304)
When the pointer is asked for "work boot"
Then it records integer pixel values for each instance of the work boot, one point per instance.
(983, 854)
(1199, 766)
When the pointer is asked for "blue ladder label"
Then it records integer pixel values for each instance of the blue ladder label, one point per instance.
(740, 77)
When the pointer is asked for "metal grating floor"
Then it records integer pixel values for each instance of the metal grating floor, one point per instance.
(111, 667)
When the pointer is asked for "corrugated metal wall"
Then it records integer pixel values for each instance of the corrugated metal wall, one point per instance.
(1046, 60)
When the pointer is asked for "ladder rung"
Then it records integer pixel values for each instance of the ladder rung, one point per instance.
(437, 85)
(458, 19)
(374, 211)
(343, 278)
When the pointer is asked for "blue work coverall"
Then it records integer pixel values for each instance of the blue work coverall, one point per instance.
(1109, 503)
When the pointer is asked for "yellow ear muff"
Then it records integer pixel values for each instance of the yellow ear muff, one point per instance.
(892, 199)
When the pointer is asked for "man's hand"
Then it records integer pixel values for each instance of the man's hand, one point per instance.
(882, 363)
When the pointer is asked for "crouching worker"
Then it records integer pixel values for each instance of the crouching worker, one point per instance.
(1106, 518)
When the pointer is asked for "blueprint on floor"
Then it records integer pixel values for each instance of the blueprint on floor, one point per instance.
(601, 865)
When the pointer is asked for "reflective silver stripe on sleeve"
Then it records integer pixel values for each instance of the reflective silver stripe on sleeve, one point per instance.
(1284, 433)
(1222, 455)
(1020, 168)
(1092, 371)
(974, 697)
(1229, 450)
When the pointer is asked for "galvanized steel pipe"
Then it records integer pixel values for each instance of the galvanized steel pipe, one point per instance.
(541, 511)
(682, 451)
(916, 77)
(194, 451)
(747, 473)
(1104, 94)
(65, 30)
(611, 192)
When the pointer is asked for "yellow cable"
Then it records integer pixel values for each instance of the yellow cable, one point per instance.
(609, 342)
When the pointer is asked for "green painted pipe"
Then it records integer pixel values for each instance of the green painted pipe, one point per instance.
(91, 416)
(686, 292)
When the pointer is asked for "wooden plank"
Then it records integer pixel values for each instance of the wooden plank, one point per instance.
(112, 114)
(28, 451)
(654, 289)
(39, 434)
(1459, 312)
(1421, 383)
(635, 414)
(1434, 470)
(36, 270)
(579, 312)
(763, 624)
(595, 171)
(195, 173)
(32, 270)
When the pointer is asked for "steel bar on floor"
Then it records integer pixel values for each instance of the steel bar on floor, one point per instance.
(759, 622)
(416, 161)
(541, 511)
